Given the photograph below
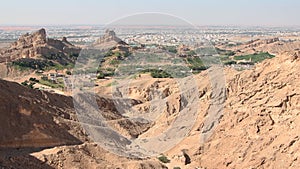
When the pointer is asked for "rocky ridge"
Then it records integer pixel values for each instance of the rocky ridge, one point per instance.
(37, 46)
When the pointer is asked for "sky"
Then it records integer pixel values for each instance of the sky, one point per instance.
(198, 12)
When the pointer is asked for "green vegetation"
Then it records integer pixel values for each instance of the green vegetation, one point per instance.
(58, 84)
(53, 56)
(171, 49)
(255, 58)
(28, 84)
(196, 64)
(39, 64)
(32, 64)
(126, 54)
(112, 84)
(176, 168)
(248, 59)
(117, 54)
(68, 72)
(100, 75)
(114, 62)
(230, 62)
(32, 79)
(156, 73)
(191, 53)
(108, 72)
(206, 51)
(58, 66)
(225, 52)
(163, 159)
(109, 53)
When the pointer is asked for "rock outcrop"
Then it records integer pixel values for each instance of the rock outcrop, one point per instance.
(272, 45)
(38, 46)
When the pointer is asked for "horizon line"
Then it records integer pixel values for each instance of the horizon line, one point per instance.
(197, 25)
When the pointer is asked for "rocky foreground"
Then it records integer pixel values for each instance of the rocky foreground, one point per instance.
(258, 127)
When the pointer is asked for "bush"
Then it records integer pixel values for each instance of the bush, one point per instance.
(33, 79)
(176, 168)
(68, 72)
(231, 62)
(171, 49)
(25, 83)
(44, 78)
(30, 85)
(163, 159)
(100, 75)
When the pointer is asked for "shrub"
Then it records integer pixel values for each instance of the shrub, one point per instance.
(25, 83)
(31, 85)
(231, 62)
(171, 49)
(163, 159)
(68, 72)
(33, 79)
(44, 78)
(100, 75)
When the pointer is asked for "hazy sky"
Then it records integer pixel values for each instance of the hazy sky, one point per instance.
(199, 12)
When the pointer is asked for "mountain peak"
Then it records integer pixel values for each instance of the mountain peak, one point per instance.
(36, 44)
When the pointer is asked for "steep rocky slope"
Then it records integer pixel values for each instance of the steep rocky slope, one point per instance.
(37, 46)
(272, 45)
(33, 120)
(260, 124)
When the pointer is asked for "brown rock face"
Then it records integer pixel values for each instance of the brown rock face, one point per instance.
(110, 35)
(37, 45)
(260, 126)
(28, 117)
(32, 120)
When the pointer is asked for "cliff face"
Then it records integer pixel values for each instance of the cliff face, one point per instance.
(260, 123)
(37, 45)
(28, 117)
(33, 120)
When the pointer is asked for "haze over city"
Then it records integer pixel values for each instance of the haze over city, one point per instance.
(212, 12)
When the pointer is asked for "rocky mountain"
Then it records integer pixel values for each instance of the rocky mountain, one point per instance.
(260, 121)
(258, 127)
(33, 120)
(38, 46)
(271, 45)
